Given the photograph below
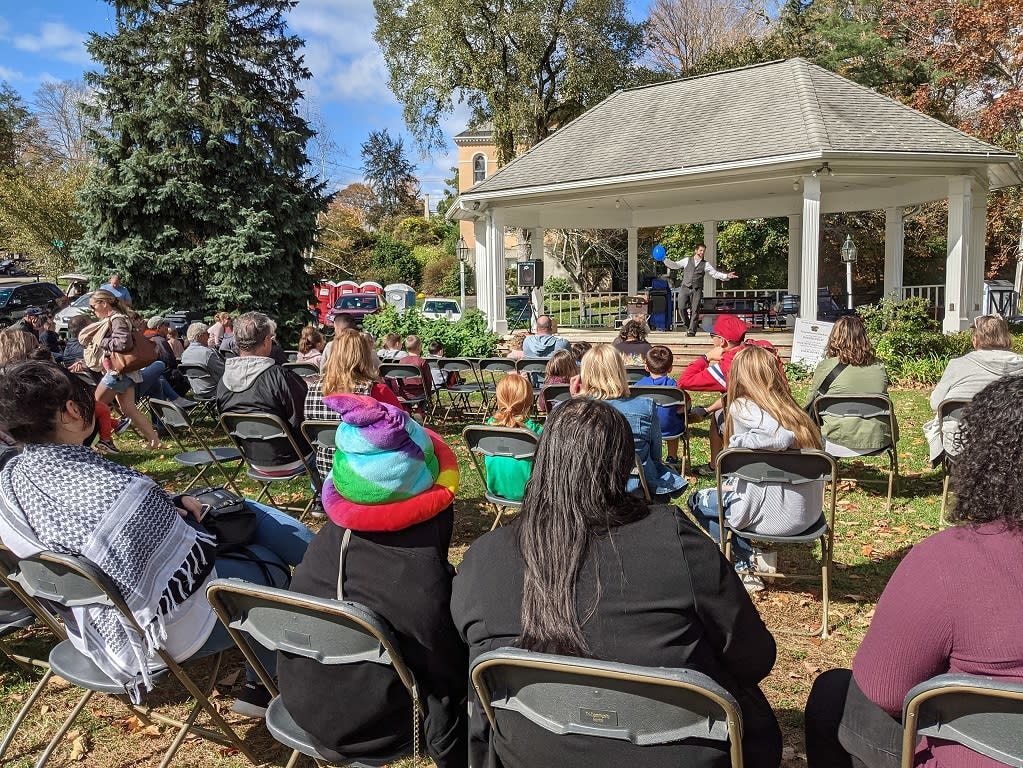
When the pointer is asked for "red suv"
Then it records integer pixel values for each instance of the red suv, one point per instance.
(356, 306)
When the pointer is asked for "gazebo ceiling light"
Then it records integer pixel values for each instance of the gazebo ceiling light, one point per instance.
(824, 169)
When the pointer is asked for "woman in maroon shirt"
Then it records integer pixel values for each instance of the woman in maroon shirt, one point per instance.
(954, 604)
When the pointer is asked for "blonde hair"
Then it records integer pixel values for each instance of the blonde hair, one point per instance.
(755, 375)
(514, 395)
(849, 342)
(603, 373)
(15, 345)
(991, 332)
(352, 363)
(309, 339)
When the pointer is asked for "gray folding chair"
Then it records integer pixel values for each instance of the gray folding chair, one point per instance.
(69, 581)
(552, 395)
(330, 632)
(401, 376)
(177, 423)
(195, 372)
(260, 438)
(491, 441)
(982, 713)
(303, 369)
(492, 370)
(877, 407)
(535, 368)
(634, 373)
(794, 468)
(459, 397)
(670, 397)
(320, 433)
(621, 706)
(947, 408)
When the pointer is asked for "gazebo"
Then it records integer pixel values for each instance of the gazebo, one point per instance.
(785, 138)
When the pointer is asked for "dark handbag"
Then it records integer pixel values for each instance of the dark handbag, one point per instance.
(142, 352)
(228, 517)
(824, 387)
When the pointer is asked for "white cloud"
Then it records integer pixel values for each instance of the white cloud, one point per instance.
(56, 40)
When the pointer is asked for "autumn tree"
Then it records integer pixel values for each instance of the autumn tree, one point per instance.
(525, 66)
(682, 32)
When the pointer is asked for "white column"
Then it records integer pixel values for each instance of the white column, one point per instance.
(894, 251)
(810, 248)
(957, 301)
(710, 239)
(795, 253)
(498, 313)
(978, 241)
(537, 254)
(479, 229)
(633, 261)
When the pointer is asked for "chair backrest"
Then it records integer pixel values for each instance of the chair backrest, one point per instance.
(951, 407)
(554, 394)
(496, 365)
(262, 438)
(176, 422)
(9, 569)
(981, 713)
(665, 397)
(635, 372)
(607, 700)
(291, 355)
(401, 371)
(320, 433)
(860, 406)
(507, 442)
(303, 369)
(463, 366)
(534, 365)
(195, 371)
(327, 631)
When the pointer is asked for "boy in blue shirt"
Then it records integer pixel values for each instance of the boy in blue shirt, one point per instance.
(658, 362)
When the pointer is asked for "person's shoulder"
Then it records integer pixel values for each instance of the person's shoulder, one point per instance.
(646, 381)
(489, 550)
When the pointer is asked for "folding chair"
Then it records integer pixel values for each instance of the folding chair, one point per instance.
(398, 375)
(533, 367)
(670, 397)
(794, 468)
(177, 423)
(68, 581)
(492, 370)
(982, 713)
(291, 355)
(319, 433)
(552, 395)
(622, 707)
(329, 631)
(505, 442)
(644, 486)
(259, 437)
(459, 396)
(865, 407)
(195, 372)
(635, 372)
(303, 369)
(947, 408)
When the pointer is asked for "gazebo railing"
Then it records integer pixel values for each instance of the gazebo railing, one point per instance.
(751, 293)
(934, 294)
(586, 310)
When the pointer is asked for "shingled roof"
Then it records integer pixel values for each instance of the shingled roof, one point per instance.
(767, 111)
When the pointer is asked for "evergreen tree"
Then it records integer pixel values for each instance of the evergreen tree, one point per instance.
(392, 177)
(201, 196)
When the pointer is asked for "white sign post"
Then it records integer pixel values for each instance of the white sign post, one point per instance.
(809, 342)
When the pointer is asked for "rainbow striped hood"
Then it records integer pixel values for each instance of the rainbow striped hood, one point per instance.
(389, 472)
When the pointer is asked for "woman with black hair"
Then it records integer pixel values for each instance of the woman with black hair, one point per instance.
(954, 604)
(590, 570)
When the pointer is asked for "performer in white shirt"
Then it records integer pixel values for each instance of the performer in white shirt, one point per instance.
(690, 295)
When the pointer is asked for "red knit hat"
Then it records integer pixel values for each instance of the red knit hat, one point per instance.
(730, 328)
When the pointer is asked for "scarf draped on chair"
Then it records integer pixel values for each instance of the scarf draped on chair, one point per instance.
(67, 499)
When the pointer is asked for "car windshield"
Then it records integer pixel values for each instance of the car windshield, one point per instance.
(82, 301)
(5, 294)
(440, 306)
(356, 302)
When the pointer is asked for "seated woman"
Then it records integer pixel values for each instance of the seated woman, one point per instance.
(58, 495)
(991, 359)
(350, 368)
(310, 346)
(762, 415)
(602, 376)
(389, 504)
(631, 342)
(590, 570)
(954, 604)
(851, 368)
(507, 477)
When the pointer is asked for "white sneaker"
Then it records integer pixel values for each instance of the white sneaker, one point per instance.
(752, 582)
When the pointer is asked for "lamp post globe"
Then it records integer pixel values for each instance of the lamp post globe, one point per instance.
(462, 252)
(849, 254)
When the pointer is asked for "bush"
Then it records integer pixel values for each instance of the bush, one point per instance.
(557, 285)
(468, 337)
(389, 254)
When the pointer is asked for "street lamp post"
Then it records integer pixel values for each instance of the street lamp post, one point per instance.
(849, 254)
(462, 251)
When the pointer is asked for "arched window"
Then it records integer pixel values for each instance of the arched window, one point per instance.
(479, 168)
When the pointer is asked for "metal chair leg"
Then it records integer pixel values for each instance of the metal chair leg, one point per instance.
(23, 713)
(62, 731)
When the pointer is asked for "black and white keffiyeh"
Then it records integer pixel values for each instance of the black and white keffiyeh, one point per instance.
(68, 499)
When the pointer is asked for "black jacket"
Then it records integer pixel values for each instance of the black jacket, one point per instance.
(665, 598)
(363, 710)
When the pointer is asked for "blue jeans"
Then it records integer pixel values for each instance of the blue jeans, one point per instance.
(279, 538)
(704, 506)
(154, 384)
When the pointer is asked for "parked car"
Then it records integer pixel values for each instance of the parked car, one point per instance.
(79, 306)
(355, 305)
(438, 309)
(15, 299)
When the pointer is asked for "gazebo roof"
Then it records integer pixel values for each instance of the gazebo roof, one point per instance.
(775, 115)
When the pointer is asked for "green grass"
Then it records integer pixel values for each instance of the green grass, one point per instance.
(869, 543)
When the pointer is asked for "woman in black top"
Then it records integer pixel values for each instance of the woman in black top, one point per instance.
(588, 570)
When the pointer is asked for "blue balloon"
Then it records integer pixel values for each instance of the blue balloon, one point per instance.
(659, 252)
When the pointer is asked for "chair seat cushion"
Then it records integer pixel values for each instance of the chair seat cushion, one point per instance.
(201, 458)
(74, 666)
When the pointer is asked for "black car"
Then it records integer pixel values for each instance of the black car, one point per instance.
(16, 298)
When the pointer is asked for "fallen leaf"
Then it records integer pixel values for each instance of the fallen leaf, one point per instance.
(810, 667)
(857, 598)
(867, 550)
(151, 730)
(72, 735)
(79, 749)
(44, 709)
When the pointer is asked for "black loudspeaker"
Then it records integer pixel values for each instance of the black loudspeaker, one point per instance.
(530, 273)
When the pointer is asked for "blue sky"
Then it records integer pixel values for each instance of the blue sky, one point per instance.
(42, 40)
